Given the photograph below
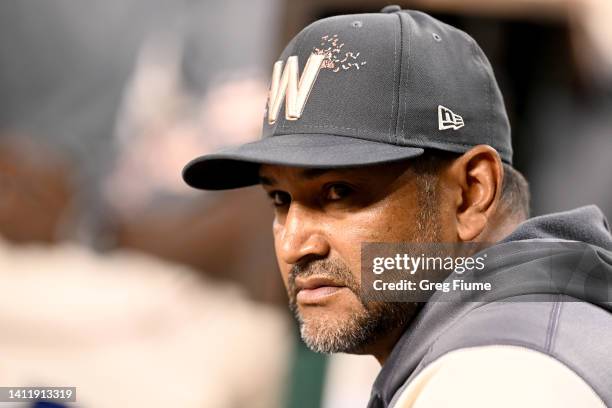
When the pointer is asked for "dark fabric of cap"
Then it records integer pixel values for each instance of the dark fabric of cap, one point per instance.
(376, 99)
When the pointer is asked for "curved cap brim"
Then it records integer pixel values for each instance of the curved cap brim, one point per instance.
(239, 166)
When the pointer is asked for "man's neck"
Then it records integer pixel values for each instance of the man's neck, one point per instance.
(500, 227)
(382, 349)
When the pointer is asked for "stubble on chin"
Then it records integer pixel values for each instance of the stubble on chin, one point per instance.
(356, 326)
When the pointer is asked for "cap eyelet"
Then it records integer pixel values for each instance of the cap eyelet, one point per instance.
(357, 24)
(436, 37)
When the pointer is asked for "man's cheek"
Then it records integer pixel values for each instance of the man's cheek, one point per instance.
(373, 225)
(348, 251)
(284, 271)
(282, 267)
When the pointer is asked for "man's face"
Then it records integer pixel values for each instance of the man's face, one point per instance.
(321, 219)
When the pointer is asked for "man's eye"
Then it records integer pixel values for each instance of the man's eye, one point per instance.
(338, 192)
(280, 198)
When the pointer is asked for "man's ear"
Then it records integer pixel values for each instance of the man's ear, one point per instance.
(476, 177)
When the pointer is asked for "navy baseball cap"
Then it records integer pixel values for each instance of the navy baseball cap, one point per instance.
(363, 89)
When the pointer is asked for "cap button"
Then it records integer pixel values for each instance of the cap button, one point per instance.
(394, 8)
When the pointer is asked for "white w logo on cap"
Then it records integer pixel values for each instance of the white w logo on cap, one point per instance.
(287, 83)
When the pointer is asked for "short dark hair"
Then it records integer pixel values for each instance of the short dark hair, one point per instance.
(515, 192)
(515, 196)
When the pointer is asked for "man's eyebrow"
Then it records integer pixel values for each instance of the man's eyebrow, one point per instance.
(267, 181)
(307, 174)
(310, 174)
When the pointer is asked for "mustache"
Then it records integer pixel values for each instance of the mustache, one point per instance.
(332, 269)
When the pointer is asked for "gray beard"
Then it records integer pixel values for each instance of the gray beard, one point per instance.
(357, 332)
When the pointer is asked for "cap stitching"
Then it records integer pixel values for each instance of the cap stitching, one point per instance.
(490, 96)
(409, 35)
(390, 137)
(482, 66)
(306, 127)
(399, 79)
(413, 143)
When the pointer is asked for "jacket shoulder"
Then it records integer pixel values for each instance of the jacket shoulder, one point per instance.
(577, 334)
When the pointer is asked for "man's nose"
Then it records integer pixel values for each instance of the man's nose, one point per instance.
(301, 235)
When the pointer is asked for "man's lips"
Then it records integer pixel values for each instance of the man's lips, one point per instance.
(315, 289)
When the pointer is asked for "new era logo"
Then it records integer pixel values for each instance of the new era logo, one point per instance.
(447, 119)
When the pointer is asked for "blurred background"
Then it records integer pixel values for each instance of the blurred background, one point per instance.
(118, 279)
